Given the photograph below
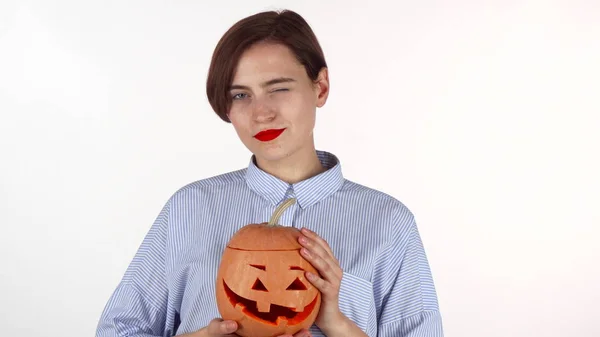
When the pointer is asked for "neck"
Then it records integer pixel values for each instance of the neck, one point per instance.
(295, 168)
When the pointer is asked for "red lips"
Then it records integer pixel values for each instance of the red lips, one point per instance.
(267, 135)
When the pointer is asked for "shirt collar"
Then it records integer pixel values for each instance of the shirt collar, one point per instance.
(307, 192)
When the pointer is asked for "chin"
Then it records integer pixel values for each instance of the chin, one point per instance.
(272, 156)
(273, 153)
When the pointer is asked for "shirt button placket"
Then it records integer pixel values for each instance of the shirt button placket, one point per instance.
(289, 216)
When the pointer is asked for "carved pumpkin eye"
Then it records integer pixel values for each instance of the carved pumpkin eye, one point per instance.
(257, 266)
(296, 285)
(258, 285)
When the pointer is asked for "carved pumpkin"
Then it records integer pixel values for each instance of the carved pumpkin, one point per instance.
(261, 283)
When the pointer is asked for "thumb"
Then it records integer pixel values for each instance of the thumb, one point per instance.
(302, 333)
(218, 327)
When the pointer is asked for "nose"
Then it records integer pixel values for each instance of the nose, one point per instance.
(262, 111)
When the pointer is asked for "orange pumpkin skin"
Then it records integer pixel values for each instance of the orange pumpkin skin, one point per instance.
(261, 283)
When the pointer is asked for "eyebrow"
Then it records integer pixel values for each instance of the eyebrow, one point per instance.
(265, 84)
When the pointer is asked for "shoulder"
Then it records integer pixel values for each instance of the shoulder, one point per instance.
(233, 179)
(389, 219)
(363, 197)
(383, 202)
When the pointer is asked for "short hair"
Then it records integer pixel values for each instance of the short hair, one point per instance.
(283, 27)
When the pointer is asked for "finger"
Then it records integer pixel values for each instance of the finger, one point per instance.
(324, 287)
(325, 268)
(302, 333)
(314, 247)
(218, 327)
(319, 241)
(317, 248)
(330, 268)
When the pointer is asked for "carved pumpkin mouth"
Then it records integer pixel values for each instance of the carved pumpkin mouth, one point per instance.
(275, 316)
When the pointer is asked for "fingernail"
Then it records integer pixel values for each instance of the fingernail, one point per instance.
(305, 252)
(230, 326)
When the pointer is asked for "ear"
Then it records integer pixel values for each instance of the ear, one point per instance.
(322, 87)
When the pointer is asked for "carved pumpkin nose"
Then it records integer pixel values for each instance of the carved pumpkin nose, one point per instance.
(258, 285)
(296, 285)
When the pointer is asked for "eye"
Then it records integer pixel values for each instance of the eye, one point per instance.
(239, 96)
(258, 285)
(258, 266)
(281, 90)
(296, 285)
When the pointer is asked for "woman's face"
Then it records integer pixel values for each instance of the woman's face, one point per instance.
(272, 91)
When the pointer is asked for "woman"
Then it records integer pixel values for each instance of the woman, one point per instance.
(267, 77)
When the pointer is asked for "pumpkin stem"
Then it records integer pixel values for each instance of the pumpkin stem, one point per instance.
(279, 211)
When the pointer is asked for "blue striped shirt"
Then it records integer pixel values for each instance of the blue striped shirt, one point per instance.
(169, 287)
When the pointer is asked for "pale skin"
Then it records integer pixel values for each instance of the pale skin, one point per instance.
(271, 90)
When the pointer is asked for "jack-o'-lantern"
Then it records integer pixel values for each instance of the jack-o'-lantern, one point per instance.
(261, 283)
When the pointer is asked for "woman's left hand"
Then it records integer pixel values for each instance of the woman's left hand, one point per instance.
(318, 253)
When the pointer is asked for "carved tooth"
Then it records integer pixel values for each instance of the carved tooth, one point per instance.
(281, 321)
(239, 307)
(263, 306)
(299, 309)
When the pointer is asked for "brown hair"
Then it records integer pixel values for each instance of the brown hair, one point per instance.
(285, 27)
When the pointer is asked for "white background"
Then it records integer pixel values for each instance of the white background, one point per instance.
(481, 116)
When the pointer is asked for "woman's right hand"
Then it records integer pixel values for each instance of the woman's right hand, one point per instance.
(216, 328)
(226, 328)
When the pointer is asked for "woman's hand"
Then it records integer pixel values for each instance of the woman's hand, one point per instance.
(301, 333)
(216, 328)
(222, 328)
(318, 253)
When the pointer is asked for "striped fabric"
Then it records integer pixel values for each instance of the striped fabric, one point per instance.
(169, 287)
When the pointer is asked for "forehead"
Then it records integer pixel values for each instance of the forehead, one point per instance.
(264, 61)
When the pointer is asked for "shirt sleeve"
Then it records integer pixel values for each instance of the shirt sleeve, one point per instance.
(138, 306)
(409, 306)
